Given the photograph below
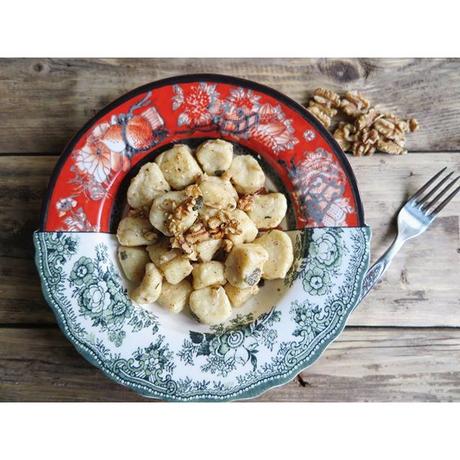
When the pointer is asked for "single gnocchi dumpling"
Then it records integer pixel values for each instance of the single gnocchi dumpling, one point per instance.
(164, 205)
(208, 274)
(210, 305)
(243, 267)
(239, 296)
(207, 249)
(150, 288)
(247, 228)
(135, 231)
(176, 269)
(146, 186)
(161, 252)
(215, 156)
(246, 174)
(280, 254)
(206, 212)
(174, 297)
(268, 210)
(179, 167)
(133, 261)
(218, 193)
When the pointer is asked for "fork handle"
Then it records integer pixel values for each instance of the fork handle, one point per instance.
(378, 269)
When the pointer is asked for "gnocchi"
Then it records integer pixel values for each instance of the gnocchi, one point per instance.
(174, 297)
(215, 156)
(177, 269)
(133, 261)
(268, 210)
(243, 267)
(193, 234)
(135, 231)
(210, 305)
(208, 274)
(280, 254)
(150, 288)
(162, 208)
(246, 174)
(147, 185)
(247, 228)
(239, 296)
(179, 167)
(218, 193)
(207, 249)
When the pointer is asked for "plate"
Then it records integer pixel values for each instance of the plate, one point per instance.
(172, 357)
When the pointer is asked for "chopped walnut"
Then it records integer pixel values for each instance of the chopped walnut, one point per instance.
(345, 135)
(413, 125)
(322, 112)
(245, 203)
(390, 147)
(367, 119)
(366, 143)
(193, 191)
(326, 97)
(197, 233)
(354, 104)
(221, 225)
(180, 212)
(369, 129)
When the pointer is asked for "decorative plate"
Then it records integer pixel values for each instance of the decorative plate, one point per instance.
(268, 341)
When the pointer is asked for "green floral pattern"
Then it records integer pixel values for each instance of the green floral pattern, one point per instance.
(235, 345)
(236, 360)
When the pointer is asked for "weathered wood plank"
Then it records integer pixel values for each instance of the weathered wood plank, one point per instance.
(45, 101)
(365, 364)
(420, 288)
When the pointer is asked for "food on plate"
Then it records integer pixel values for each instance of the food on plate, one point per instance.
(210, 305)
(179, 167)
(150, 288)
(268, 210)
(243, 267)
(246, 174)
(146, 186)
(280, 254)
(133, 261)
(174, 297)
(202, 231)
(135, 231)
(239, 296)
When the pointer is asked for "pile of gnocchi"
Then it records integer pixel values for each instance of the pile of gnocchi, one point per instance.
(202, 231)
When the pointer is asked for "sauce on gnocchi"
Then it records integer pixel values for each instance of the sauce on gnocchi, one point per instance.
(202, 231)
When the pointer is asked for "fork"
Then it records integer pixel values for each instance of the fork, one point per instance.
(413, 219)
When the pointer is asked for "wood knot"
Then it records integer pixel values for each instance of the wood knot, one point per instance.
(38, 67)
(341, 71)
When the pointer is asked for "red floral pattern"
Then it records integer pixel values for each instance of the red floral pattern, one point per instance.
(82, 197)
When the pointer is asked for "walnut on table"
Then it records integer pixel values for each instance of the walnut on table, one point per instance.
(324, 105)
(369, 129)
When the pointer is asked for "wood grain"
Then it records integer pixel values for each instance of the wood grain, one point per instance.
(420, 288)
(404, 340)
(46, 101)
(364, 364)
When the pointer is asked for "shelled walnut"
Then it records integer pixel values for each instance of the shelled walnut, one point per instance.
(368, 129)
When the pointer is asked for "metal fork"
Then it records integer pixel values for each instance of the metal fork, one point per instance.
(413, 219)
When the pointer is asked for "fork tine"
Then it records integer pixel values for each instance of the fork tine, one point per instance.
(426, 206)
(434, 189)
(441, 206)
(424, 187)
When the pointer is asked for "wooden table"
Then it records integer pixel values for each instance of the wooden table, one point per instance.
(402, 343)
